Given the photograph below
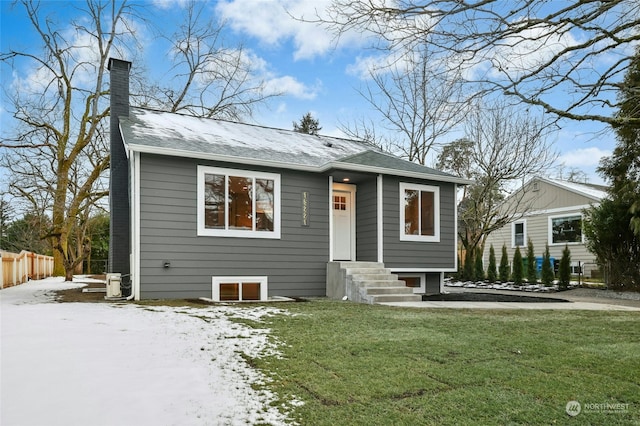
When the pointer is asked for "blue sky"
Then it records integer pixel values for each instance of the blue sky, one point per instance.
(316, 73)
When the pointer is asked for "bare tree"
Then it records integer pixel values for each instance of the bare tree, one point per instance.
(208, 78)
(417, 104)
(57, 148)
(504, 147)
(528, 49)
(57, 154)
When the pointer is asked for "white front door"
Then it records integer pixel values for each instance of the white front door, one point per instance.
(343, 226)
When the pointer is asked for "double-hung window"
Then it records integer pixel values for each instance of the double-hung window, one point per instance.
(519, 234)
(238, 203)
(419, 212)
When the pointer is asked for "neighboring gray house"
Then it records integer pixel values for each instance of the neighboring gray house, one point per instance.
(211, 208)
(552, 214)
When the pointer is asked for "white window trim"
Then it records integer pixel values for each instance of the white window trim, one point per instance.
(513, 233)
(550, 229)
(216, 281)
(237, 233)
(436, 213)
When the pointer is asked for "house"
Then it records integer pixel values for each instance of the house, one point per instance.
(551, 213)
(231, 211)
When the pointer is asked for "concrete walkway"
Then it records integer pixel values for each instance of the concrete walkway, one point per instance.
(579, 299)
(586, 306)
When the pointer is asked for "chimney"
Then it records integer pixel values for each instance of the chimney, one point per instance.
(119, 244)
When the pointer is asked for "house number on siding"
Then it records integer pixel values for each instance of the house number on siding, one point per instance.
(305, 208)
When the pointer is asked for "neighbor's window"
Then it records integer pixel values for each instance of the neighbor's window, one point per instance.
(519, 235)
(238, 203)
(419, 212)
(565, 229)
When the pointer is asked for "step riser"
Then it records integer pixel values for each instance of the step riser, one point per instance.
(395, 298)
(367, 271)
(371, 291)
(373, 277)
(379, 283)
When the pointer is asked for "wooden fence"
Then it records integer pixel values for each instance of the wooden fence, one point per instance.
(19, 268)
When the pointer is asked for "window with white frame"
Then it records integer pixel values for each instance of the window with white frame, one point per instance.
(238, 289)
(519, 234)
(419, 212)
(565, 229)
(415, 281)
(238, 203)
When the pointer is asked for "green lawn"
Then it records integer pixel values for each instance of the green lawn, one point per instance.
(373, 365)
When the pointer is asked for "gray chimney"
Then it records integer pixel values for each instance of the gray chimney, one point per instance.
(119, 244)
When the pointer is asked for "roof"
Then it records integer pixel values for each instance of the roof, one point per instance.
(180, 135)
(596, 192)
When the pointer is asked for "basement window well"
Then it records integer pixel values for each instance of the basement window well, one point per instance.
(238, 289)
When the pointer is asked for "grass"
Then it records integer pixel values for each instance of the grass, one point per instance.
(373, 365)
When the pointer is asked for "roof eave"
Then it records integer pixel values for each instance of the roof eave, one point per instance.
(301, 167)
(396, 172)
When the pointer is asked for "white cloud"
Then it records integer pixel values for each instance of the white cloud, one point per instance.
(288, 85)
(274, 22)
(525, 51)
(583, 157)
(169, 4)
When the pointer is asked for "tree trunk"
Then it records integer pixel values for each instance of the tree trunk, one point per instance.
(58, 264)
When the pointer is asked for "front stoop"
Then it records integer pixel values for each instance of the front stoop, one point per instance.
(367, 282)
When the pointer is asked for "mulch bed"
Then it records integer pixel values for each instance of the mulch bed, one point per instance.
(488, 297)
(77, 295)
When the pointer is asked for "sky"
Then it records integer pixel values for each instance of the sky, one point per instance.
(316, 72)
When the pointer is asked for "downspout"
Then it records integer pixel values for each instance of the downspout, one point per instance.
(380, 219)
(134, 191)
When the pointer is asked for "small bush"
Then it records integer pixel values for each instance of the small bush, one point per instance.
(478, 270)
(518, 268)
(467, 271)
(492, 272)
(564, 270)
(531, 263)
(504, 265)
(547, 268)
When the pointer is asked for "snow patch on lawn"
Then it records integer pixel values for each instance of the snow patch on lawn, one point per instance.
(117, 364)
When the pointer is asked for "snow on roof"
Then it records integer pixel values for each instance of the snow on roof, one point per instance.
(204, 135)
(592, 191)
(183, 135)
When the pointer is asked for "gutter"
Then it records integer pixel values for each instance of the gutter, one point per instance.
(300, 167)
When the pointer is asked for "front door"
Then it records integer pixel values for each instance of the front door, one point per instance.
(343, 226)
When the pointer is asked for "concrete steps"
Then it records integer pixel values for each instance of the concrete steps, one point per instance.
(371, 282)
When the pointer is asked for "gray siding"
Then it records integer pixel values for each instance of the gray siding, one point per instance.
(295, 264)
(367, 221)
(411, 254)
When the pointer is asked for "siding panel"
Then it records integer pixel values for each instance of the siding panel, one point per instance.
(366, 221)
(411, 254)
(169, 233)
